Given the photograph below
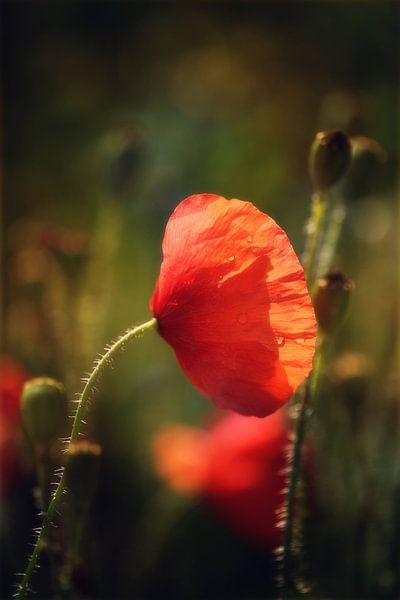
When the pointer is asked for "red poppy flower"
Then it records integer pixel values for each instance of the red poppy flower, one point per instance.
(238, 466)
(12, 379)
(232, 301)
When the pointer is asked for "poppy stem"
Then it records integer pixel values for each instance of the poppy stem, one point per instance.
(93, 379)
(332, 235)
(44, 470)
(314, 231)
(306, 404)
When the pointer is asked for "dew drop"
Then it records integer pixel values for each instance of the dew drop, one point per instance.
(280, 341)
(231, 258)
(242, 318)
(249, 238)
(255, 250)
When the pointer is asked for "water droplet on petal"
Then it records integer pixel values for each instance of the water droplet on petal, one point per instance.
(280, 341)
(242, 318)
(249, 238)
(231, 258)
(255, 250)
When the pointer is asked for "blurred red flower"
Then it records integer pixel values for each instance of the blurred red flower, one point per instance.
(232, 301)
(12, 379)
(238, 465)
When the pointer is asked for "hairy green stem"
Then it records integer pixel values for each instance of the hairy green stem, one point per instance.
(306, 403)
(315, 239)
(44, 470)
(93, 379)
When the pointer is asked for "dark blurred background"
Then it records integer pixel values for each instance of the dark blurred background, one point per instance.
(113, 112)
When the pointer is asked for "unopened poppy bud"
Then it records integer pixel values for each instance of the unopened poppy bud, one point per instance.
(44, 409)
(82, 472)
(367, 157)
(330, 157)
(331, 300)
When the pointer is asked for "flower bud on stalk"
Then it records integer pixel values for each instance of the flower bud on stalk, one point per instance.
(44, 410)
(82, 472)
(330, 157)
(331, 300)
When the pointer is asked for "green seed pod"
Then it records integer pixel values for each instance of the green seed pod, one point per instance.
(44, 410)
(331, 300)
(82, 472)
(330, 157)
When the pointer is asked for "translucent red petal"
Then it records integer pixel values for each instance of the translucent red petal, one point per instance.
(232, 301)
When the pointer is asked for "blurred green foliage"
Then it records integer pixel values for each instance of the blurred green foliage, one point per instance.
(113, 113)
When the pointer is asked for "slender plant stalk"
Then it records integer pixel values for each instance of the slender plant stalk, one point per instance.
(91, 382)
(73, 553)
(315, 227)
(315, 239)
(306, 402)
(334, 229)
(43, 469)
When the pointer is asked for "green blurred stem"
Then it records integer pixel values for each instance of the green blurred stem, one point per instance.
(315, 226)
(79, 528)
(42, 473)
(332, 235)
(93, 302)
(73, 554)
(306, 404)
(93, 379)
(321, 243)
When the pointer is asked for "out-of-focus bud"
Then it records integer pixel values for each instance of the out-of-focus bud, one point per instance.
(331, 300)
(125, 149)
(44, 410)
(367, 157)
(330, 157)
(82, 472)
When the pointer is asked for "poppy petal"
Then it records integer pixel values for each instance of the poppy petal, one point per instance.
(180, 457)
(232, 301)
(246, 477)
(237, 464)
